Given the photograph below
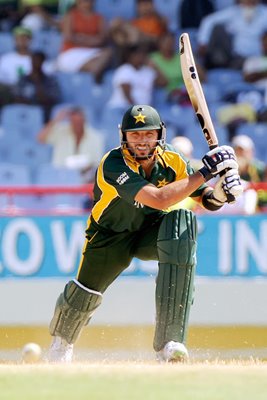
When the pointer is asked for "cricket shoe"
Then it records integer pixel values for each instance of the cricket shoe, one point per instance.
(60, 351)
(173, 352)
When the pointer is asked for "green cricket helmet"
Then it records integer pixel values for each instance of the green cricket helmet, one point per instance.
(142, 118)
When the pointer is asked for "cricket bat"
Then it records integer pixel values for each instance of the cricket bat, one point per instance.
(196, 95)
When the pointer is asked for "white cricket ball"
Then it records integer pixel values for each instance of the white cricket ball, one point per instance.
(31, 353)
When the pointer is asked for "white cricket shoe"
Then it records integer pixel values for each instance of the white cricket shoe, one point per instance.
(173, 352)
(60, 351)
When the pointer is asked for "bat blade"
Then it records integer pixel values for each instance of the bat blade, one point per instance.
(195, 91)
(196, 95)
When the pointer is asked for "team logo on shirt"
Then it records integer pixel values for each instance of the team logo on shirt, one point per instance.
(162, 183)
(140, 118)
(122, 178)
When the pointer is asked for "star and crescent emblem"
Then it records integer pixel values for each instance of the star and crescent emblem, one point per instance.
(139, 118)
(162, 183)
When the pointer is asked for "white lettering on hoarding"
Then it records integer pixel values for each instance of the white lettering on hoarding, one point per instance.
(225, 241)
(10, 238)
(66, 250)
(247, 244)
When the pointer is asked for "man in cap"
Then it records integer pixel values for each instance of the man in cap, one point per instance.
(136, 185)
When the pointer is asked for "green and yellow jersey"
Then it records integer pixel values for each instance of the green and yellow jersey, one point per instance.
(120, 177)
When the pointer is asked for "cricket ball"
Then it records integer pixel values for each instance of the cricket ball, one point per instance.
(31, 353)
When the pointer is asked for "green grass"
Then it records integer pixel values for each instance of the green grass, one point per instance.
(128, 381)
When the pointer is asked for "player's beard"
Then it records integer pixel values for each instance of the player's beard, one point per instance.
(147, 153)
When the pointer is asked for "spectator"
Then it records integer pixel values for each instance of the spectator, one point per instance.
(227, 37)
(184, 145)
(84, 41)
(37, 87)
(75, 143)
(167, 60)
(145, 29)
(255, 71)
(14, 64)
(36, 18)
(18, 62)
(9, 15)
(189, 19)
(133, 81)
(250, 168)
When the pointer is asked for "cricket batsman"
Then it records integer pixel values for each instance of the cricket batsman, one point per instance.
(136, 185)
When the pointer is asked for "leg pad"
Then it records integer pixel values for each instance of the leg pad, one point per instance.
(73, 310)
(175, 280)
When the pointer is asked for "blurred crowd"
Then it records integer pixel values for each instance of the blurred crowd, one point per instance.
(70, 68)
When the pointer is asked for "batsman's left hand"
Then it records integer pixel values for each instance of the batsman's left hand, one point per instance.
(228, 184)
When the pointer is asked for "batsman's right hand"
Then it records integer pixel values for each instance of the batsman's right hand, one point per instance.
(218, 160)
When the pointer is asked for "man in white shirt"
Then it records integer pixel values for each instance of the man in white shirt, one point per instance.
(75, 144)
(134, 81)
(18, 62)
(229, 36)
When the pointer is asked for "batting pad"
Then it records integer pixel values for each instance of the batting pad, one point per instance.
(175, 280)
(73, 310)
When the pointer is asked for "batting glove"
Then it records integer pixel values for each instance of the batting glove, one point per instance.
(228, 184)
(218, 160)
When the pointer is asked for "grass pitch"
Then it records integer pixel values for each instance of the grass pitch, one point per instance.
(134, 381)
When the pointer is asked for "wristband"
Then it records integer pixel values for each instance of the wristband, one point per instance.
(207, 175)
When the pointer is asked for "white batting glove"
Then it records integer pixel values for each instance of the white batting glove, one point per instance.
(228, 184)
(217, 160)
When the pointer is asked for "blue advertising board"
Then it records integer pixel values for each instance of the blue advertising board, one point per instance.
(50, 246)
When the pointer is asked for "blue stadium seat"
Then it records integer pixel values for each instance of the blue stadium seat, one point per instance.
(47, 41)
(80, 89)
(258, 133)
(32, 154)
(13, 175)
(111, 118)
(116, 8)
(224, 79)
(220, 4)
(26, 120)
(6, 147)
(177, 118)
(195, 134)
(7, 42)
(75, 87)
(47, 174)
(170, 10)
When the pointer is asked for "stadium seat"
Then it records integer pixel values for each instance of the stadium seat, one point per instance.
(111, 118)
(220, 4)
(70, 85)
(80, 89)
(116, 8)
(6, 147)
(224, 79)
(26, 120)
(47, 41)
(31, 154)
(47, 174)
(170, 10)
(13, 175)
(177, 118)
(7, 42)
(258, 133)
